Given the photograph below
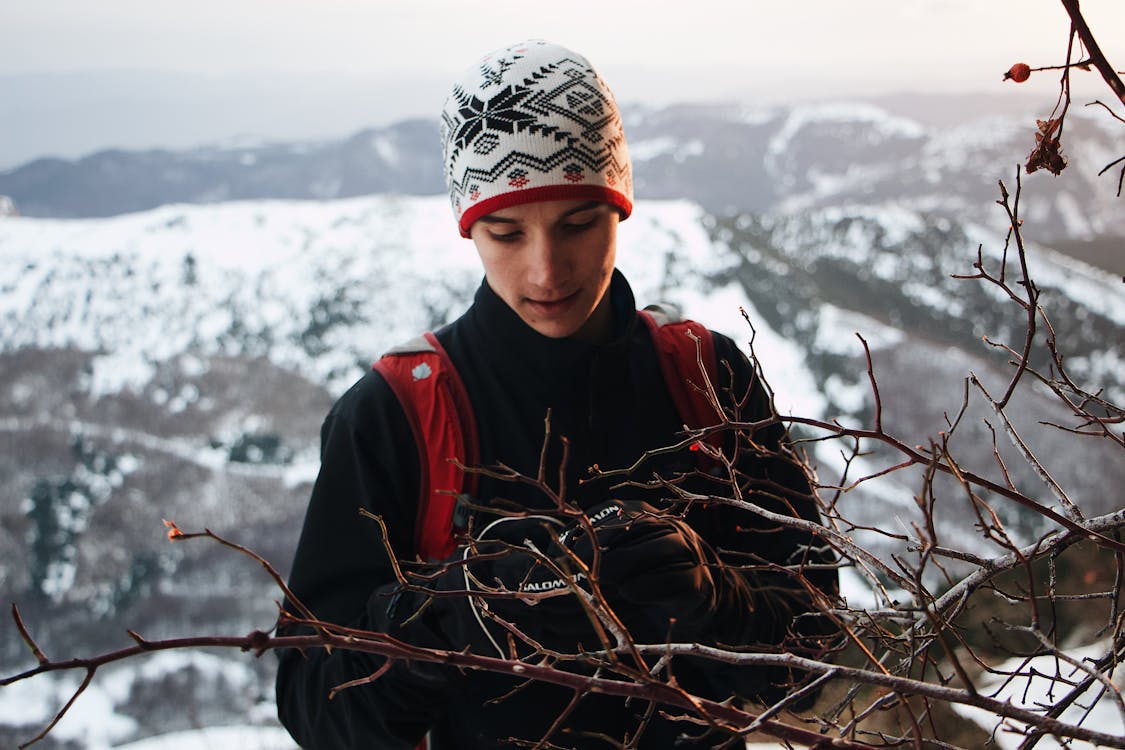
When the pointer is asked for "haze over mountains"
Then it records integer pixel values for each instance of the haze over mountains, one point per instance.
(175, 324)
(726, 157)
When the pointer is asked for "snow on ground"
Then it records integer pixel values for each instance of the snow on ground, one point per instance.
(880, 125)
(1035, 692)
(243, 738)
(92, 720)
(95, 721)
(665, 146)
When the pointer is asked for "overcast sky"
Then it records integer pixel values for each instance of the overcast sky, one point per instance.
(648, 50)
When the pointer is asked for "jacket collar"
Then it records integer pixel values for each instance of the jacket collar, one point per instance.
(551, 361)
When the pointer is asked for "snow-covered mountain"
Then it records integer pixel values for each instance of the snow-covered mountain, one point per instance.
(176, 362)
(947, 158)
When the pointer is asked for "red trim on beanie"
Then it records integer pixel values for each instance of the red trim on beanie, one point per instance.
(544, 193)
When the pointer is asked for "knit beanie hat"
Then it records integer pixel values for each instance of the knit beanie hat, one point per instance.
(532, 122)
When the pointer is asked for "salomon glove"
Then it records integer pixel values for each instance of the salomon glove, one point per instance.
(503, 588)
(652, 567)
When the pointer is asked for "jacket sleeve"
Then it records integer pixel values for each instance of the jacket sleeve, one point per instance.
(342, 572)
(768, 567)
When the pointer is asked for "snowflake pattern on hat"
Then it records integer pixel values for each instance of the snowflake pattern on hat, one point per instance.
(532, 122)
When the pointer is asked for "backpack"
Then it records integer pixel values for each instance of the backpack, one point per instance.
(437, 406)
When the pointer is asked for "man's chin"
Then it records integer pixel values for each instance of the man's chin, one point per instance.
(554, 329)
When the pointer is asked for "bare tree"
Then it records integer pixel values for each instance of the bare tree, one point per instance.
(1047, 153)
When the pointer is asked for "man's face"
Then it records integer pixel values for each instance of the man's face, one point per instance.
(552, 262)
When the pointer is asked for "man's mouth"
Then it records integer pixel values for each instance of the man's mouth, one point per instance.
(553, 306)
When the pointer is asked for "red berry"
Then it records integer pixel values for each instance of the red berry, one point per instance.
(1019, 72)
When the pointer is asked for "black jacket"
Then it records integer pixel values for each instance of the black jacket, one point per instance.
(611, 402)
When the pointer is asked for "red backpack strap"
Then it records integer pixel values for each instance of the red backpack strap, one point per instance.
(437, 407)
(683, 347)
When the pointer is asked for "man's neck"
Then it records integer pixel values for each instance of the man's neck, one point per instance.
(598, 328)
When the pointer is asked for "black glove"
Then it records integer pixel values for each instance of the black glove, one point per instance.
(506, 575)
(653, 568)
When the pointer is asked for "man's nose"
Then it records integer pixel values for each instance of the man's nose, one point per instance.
(550, 267)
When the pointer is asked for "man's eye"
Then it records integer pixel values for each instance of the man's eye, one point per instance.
(505, 236)
(579, 226)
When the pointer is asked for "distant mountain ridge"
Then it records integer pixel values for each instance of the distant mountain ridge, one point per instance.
(727, 158)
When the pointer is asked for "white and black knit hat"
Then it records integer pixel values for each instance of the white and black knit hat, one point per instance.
(532, 122)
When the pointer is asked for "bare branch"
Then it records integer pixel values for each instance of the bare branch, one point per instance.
(1097, 57)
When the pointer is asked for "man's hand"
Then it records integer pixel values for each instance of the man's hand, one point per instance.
(651, 566)
(512, 588)
(517, 580)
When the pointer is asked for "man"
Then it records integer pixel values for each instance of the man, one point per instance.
(539, 178)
